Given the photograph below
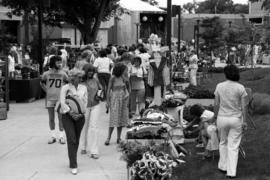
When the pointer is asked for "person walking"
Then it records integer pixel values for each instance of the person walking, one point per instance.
(51, 82)
(230, 110)
(103, 65)
(255, 55)
(117, 100)
(137, 95)
(93, 110)
(193, 67)
(73, 121)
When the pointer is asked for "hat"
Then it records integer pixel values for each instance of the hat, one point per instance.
(75, 72)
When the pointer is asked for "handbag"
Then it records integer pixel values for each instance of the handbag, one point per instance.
(100, 95)
(74, 103)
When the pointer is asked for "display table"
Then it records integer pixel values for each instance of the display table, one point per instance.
(266, 59)
(25, 89)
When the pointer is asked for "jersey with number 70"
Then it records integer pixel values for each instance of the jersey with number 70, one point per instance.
(54, 80)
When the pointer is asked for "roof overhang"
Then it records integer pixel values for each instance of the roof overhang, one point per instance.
(138, 5)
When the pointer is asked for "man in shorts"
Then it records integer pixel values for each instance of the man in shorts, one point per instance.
(51, 82)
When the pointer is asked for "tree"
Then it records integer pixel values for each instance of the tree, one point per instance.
(240, 9)
(221, 7)
(212, 33)
(189, 7)
(215, 6)
(85, 15)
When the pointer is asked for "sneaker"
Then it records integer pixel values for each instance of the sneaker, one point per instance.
(199, 145)
(62, 140)
(74, 171)
(52, 140)
(94, 156)
(83, 151)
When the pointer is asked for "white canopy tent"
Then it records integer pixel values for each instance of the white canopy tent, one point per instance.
(138, 5)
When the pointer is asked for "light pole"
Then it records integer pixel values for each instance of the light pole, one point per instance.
(229, 46)
(198, 37)
(169, 23)
(40, 42)
(179, 28)
(169, 33)
(137, 32)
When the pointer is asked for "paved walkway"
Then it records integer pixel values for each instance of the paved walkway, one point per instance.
(25, 154)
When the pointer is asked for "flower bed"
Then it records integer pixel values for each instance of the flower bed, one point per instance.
(198, 92)
(150, 161)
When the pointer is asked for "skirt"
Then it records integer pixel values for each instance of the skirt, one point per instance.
(118, 109)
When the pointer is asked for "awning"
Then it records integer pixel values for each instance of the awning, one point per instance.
(138, 5)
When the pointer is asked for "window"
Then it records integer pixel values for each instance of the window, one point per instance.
(256, 21)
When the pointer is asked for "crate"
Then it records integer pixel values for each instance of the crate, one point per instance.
(3, 111)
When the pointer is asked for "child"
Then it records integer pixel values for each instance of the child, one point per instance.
(208, 129)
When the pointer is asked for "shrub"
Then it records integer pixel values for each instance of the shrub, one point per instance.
(198, 92)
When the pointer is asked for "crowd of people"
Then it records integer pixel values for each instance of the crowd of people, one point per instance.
(123, 77)
(117, 76)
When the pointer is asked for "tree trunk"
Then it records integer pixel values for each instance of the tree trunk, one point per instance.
(89, 32)
(88, 38)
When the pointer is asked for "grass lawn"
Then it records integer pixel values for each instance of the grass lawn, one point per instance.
(256, 143)
(261, 82)
(256, 166)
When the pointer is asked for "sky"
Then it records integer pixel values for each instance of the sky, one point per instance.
(163, 3)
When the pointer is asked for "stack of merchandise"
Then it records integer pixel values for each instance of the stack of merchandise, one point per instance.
(154, 124)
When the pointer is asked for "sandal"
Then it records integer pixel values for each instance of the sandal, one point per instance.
(118, 141)
(107, 142)
(94, 156)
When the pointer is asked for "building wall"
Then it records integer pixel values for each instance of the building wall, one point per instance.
(124, 31)
(256, 8)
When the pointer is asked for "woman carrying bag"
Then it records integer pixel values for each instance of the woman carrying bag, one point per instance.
(73, 113)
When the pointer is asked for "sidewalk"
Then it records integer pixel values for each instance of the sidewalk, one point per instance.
(25, 154)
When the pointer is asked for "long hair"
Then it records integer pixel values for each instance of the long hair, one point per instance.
(88, 68)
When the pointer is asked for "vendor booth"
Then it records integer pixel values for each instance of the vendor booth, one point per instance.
(4, 91)
(158, 134)
(25, 83)
(25, 89)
